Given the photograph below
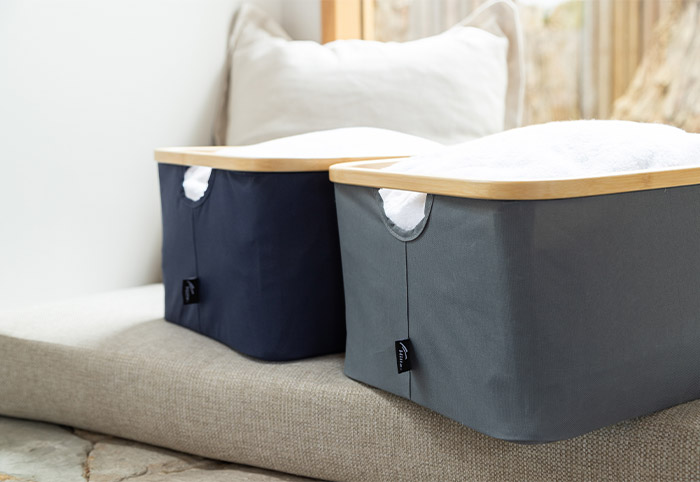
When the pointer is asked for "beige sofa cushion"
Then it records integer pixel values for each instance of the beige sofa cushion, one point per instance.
(109, 363)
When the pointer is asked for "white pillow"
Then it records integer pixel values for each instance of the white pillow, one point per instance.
(464, 83)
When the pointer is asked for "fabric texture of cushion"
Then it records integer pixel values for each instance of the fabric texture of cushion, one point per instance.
(109, 363)
(462, 84)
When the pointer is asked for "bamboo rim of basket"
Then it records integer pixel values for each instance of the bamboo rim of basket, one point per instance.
(368, 173)
(207, 156)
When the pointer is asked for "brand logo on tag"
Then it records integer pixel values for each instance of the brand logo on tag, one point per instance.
(190, 291)
(403, 355)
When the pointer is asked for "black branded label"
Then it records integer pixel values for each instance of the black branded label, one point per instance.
(190, 291)
(403, 355)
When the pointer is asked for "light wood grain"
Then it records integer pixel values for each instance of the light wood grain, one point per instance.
(341, 19)
(605, 56)
(368, 20)
(589, 60)
(620, 47)
(634, 42)
(207, 156)
(368, 173)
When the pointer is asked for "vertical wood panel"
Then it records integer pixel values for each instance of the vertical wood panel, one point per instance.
(605, 58)
(328, 20)
(588, 90)
(620, 38)
(341, 19)
(623, 34)
(634, 43)
(368, 19)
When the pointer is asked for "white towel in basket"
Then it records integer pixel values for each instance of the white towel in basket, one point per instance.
(556, 150)
(344, 143)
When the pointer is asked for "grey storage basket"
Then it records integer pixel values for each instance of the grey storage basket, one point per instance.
(529, 311)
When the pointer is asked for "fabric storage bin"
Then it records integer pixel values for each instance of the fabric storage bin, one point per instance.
(255, 262)
(530, 311)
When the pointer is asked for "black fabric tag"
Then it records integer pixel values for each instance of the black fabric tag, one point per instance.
(190, 291)
(403, 355)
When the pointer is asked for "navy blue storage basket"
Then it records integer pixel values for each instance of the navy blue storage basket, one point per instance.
(255, 262)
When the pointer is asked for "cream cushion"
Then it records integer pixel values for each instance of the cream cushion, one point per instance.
(110, 363)
(464, 83)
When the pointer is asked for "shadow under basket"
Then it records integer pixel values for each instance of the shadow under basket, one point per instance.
(531, 311)
(255, 262)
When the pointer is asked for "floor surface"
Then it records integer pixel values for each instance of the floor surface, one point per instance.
(41, 452)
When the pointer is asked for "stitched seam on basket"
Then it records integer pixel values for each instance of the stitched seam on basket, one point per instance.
(408, 318)
(196, 266)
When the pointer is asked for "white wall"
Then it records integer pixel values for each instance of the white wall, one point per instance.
(302, 19)
(88, 88)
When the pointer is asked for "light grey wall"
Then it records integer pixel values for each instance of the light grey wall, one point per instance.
(302, 19)
(88, 88)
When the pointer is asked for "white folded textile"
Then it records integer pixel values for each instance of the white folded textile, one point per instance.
(196, 182)
(556, 150)
(345, 143)
(348, 142)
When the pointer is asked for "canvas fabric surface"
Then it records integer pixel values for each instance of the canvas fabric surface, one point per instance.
(263, 248)
(530, 321)
(464, 83)
(110, 363)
